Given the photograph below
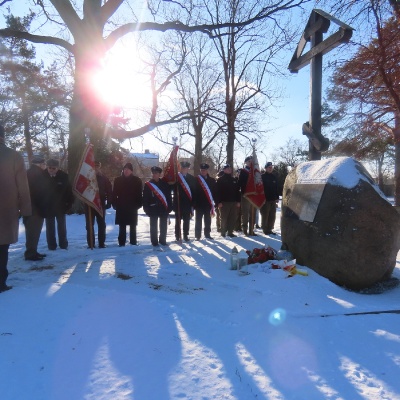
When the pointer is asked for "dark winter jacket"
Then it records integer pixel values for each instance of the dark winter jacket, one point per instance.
(270, 182)
(105, 190)
(37, 188)
(127, 199)
(180, 196)
(152, 206)
(59, 193)
(201, 201)
(243, 178)
(228, 189)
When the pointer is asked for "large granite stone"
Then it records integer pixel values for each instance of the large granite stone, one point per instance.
(336, 221)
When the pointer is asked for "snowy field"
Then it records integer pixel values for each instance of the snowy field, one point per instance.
(177, 323)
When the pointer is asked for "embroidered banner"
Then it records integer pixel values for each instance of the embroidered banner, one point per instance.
(85, 184)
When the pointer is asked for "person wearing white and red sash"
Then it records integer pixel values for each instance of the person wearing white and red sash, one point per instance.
(157, 204)
(247, 210)
(204, 202)
(184, 193)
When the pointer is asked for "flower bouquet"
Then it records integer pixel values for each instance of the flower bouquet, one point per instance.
(261, 255)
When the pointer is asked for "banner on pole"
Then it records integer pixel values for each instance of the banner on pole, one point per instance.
(85, 184)
(171, 169)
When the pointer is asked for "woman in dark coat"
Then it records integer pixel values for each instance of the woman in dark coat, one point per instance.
(127, 199)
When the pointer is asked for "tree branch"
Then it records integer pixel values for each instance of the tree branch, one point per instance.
(109, 8)
(7, 32)
(121, 134)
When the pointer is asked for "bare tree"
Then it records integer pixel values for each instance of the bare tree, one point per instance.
(86, 30)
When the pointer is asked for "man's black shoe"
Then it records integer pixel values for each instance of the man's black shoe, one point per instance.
(4, 288)
(102, 246)
(231, 235)
(41, 255)
(34, 258)
(209, 237)
(163, 243)
(186, 239)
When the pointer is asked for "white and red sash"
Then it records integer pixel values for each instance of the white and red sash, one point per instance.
(207, 192)
(185, 186)
(160, 195)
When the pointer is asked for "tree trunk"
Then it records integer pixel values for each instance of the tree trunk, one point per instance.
(27, 131)
(396, 136)
(198, 148)
(230, 143)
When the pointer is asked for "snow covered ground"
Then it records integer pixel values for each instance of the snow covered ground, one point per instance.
(138, 323)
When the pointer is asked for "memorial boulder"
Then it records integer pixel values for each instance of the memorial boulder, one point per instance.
(336, 221)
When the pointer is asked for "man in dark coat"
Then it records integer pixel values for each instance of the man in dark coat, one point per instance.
(59, 201)
(34, 223)
(204, 202)
(15, 201)
(184, 192)
(157, 204)
(228, 200)
(126, 200)
(271, 191)
(247, 209)
(105, 192)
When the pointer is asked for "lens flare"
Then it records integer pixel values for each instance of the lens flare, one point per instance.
(277, 316)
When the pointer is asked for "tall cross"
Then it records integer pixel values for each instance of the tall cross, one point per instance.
(317, 25)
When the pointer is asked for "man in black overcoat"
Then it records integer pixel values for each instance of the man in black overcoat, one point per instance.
(126, 200)
(59, 201)
(271, 191)
(34, 223)
(228, 200)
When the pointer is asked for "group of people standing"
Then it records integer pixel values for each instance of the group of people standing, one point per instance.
(202, 197)
(43, 194)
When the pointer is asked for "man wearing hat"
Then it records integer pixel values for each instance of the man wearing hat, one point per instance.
(105, 193)
(247, 209)
(59, 201)
(126, 200)
(157, 204)
(204, 203)
(15, 201)
(228, 200)
(34, 223)
(271, 191)
(184, 193)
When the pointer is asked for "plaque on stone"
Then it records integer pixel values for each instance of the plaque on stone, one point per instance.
(305, 200)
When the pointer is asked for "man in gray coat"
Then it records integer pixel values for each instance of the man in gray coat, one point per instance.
(15, 202)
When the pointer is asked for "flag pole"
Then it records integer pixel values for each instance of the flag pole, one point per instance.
(178, 214)
(90, 221)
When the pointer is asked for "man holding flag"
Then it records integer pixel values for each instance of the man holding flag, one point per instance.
(271, 192)
(87, 190)
(254, 192)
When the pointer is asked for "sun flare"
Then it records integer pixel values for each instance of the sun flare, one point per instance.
(119, 84)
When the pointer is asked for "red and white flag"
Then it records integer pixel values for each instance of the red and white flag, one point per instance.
(171, 169)
(255, 188)
(85, 184)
